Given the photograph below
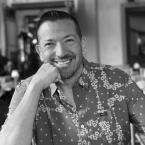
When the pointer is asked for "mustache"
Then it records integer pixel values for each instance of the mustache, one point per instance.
(63, 57)
(57, 58)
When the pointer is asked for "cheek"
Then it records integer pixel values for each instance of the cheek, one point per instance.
(76, 49)
(46, 56)
(79, 52)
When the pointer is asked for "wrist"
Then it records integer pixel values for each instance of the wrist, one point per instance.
(35, 86)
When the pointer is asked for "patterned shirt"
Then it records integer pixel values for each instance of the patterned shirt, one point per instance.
(106, 102)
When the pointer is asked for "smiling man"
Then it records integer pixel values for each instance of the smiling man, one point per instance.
(61, 46)
(70, 101)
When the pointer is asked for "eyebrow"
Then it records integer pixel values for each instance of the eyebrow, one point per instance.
(47, 41)
(70, 35)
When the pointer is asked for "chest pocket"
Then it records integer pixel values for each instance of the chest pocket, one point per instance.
(104, 127)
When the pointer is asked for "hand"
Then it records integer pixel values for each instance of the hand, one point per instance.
(46, 75)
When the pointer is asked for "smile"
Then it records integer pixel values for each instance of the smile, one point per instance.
(63, 62)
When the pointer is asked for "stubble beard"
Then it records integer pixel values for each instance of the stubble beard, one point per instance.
(68, 75)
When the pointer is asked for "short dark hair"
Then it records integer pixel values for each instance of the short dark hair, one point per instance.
(53, 15)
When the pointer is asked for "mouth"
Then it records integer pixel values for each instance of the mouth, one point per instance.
(63, 62)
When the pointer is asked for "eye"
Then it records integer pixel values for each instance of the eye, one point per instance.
(70, 41)
(50, 45)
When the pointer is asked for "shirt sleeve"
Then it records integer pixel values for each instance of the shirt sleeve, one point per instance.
(136, 107)
(17, 97)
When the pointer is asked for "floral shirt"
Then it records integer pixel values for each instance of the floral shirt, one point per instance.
(106, 102)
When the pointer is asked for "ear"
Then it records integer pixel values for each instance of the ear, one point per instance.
(83, 43)
(37, 47)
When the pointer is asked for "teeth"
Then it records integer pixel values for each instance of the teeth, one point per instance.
(63, 62)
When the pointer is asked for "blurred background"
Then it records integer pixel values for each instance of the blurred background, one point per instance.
(114, 31)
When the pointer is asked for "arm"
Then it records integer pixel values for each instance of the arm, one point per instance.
(19, 125)
(136, 107)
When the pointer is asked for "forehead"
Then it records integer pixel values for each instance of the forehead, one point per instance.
(57, 28)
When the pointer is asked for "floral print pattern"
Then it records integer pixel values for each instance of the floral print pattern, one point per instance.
(106, 101)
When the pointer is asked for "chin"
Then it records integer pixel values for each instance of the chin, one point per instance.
(67, 76)
(68, 73)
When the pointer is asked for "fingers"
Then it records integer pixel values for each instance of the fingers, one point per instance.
(52, 73)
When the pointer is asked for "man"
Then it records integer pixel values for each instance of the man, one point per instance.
(70, 101)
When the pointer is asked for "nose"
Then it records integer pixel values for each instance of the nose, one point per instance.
(60, 49)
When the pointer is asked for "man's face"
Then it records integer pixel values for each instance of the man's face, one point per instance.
(60, 46)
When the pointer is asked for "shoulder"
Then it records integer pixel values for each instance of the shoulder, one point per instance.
(107, 72)
(18, 94)
(109, 69)
(21, 89)
(23, 84)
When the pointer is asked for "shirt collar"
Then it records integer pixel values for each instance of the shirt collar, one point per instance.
(53, 88)
(83, 80)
